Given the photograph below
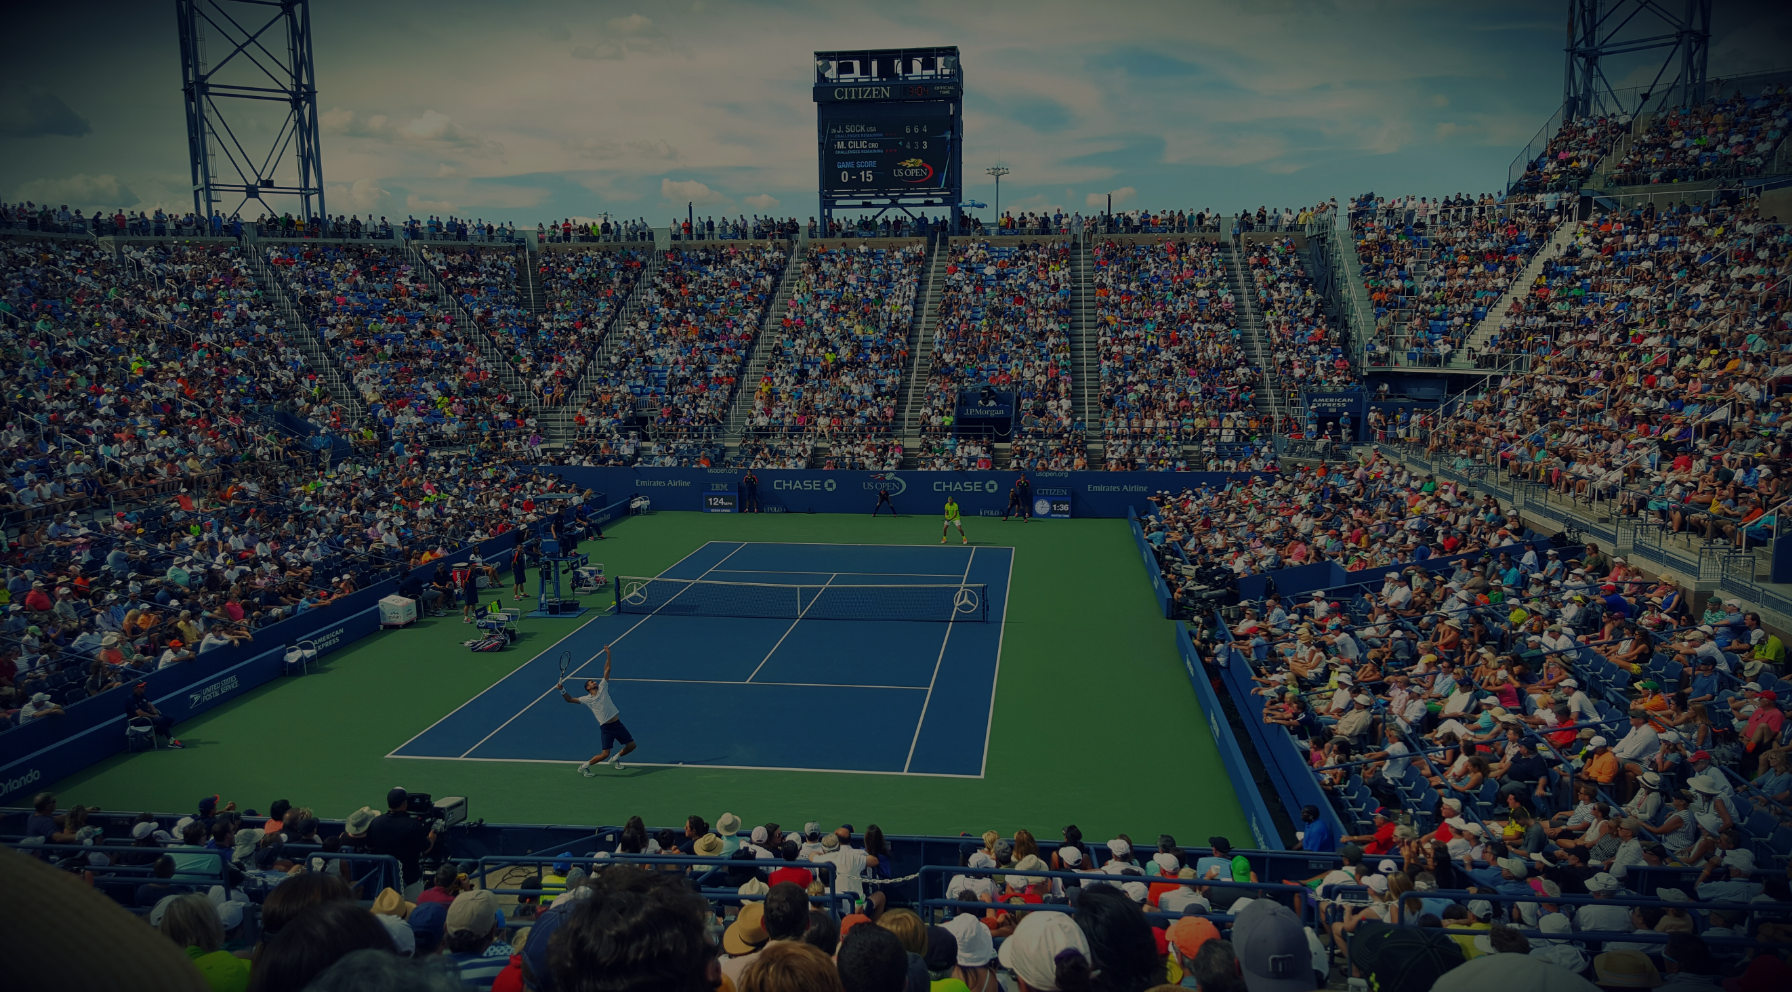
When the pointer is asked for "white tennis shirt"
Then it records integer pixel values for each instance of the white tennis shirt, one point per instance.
(600, 704)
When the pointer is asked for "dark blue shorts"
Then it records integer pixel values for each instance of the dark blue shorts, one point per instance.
(615, 733)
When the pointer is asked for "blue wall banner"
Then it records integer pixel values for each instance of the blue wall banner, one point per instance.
(1250, 798)
(1090, 494)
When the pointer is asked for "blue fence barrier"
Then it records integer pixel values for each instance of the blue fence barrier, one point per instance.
(1091, 494)
(1158, 588)
(1250, 799)
(91, 730)
(1283, 760)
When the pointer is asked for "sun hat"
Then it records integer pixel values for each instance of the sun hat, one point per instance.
(1032, 951)
(747, 933)
(1626, 969)
(975, 945)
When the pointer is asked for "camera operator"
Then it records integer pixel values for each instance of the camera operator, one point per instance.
(400, 833)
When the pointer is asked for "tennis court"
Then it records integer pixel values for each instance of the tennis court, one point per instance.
(781, 689)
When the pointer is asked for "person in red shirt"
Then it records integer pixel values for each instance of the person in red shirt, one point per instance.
(38, 601)
(1382, 840)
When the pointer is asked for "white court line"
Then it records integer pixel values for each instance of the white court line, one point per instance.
(806, 685)
(788, 571)
(588, 661)
(799, 619)
(698, 767)
(995, 678)
(544, 652)
(936, 672)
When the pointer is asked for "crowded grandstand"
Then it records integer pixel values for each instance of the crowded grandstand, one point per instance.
(1458, 512)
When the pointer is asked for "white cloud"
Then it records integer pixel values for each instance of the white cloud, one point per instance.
(417, 204)
(82, 191)
(363, 196)
(690, 191)
(622, 36)
(432, 127)
(761, 201)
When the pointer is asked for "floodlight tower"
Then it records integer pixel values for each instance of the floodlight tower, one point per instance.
(250, 50)
(1599, 29)
(998, 172)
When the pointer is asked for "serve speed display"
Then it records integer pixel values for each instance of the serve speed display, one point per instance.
(721, 502)
(888, 155)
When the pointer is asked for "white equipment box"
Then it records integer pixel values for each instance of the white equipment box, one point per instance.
(397, 611)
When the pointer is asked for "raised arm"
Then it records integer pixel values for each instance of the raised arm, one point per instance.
(607, 661)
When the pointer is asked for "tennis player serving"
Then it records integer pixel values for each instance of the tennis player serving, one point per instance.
(615, 735)
(953, 520)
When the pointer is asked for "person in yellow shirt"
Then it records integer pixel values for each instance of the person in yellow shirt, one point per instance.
(953, 519)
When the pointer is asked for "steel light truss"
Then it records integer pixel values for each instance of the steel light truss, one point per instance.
(1601, 29)
(250, 50)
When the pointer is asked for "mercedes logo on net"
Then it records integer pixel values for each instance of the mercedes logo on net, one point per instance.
(965, 600)
(635, 593)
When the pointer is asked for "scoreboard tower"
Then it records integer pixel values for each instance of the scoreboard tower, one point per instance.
(890, 130)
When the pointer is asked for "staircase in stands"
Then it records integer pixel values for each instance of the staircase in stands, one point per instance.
(1085, 352)
(753, 367)
(920, 352)
(489, 349)
(557, 422)
(1552, 249)
(1270, 401)
(309, 339)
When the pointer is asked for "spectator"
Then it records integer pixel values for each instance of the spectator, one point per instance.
(472, 930)
(193, 923)
(313, 941)
(791, 967)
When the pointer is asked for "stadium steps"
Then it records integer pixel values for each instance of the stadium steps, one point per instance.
(753, 369)
(1558, 242)
(532, 295)
(1085, 352)
(1256, 336)
(308, 338)
(633, 306)
(494, 355)
(920, 352)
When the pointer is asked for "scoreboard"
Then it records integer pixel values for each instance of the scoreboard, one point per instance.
(875, 154)
(890, 131)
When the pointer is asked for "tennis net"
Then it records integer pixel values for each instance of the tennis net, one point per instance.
(820, 601)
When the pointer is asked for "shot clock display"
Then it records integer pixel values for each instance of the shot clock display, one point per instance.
(888, 155)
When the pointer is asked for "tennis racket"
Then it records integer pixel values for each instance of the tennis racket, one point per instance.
(565, 664)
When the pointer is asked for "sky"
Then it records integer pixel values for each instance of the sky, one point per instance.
(524, 111)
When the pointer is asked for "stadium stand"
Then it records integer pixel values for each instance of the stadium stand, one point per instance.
(1004, 323)
(1725, 138)
(1524, 750)
(837, 361)
(1308, 346)
(1434, 269)
(1173, 368)
(419, 371)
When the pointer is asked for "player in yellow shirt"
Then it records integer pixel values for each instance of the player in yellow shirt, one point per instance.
(953, 520)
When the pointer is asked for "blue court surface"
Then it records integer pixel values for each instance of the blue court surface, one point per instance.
(895, 697)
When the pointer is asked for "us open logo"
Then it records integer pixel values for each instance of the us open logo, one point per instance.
(895, 487)
(912, 171)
